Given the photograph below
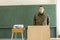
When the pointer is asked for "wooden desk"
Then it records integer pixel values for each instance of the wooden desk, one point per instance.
(38, 33)
(17, 30)
(14, 30)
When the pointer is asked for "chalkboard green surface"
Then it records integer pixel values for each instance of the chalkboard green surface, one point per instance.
(24, 14)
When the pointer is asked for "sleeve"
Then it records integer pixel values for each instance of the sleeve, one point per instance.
(48, 20)
(34, 21)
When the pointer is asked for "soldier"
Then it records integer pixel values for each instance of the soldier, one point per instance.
(41, 18)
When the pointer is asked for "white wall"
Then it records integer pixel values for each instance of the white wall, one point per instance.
(26, 2)
(58, 17)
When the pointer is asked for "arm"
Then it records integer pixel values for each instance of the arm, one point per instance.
(48, 20)
(34, 21)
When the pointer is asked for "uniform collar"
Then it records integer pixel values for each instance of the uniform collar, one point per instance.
(40, 14)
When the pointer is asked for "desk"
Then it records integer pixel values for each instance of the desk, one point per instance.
(38, 33)
(17, 31)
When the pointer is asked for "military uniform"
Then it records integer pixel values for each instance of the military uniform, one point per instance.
(41, 19)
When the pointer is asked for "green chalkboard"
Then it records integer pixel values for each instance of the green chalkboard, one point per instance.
(24, 14)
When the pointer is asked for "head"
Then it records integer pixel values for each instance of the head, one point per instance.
(41, 9)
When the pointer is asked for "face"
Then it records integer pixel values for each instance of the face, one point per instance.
(41, 9)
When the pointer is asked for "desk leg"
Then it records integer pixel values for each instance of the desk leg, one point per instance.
(12, 36)
(15, 36)
(22, 35)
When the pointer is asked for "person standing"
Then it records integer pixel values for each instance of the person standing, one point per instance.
(41, 18)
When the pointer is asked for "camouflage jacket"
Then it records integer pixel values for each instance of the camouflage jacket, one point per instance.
(41, 19)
